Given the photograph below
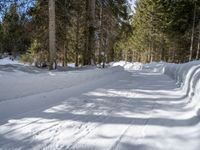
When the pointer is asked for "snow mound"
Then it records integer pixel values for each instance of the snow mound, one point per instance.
(8, 61)
(50, 81)
(154, 67)
(187, 77)
(127, 65)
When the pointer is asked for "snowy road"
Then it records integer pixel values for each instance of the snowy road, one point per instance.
(138, 110)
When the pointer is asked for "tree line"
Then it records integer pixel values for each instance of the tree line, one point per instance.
(48, 32)
(167, 30)
(91, 32)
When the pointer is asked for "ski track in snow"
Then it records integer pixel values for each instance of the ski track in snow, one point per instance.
(136, 110)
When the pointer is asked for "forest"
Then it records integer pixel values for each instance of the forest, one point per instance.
(91, 32)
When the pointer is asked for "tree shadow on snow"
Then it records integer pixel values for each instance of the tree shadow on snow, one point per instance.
(117, 106)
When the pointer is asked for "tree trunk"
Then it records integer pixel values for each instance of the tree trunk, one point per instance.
(91, 29)
(85, 57)
(162, 49)
(64, 55)
(64, 45)
(192, 36)
(173, 54)
(52, 35)
(133, 55)
(101, 34)
(198, 46)
(152, 51)
(149, 53)
(77, 39)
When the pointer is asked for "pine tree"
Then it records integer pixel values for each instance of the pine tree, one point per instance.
(10, 27)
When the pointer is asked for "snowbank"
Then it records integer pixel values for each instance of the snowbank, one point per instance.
(31, 83)
(8, 60)
(150, 67)
(154, 67)
(127, 65)
(187, 77)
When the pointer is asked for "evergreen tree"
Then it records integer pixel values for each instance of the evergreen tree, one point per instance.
(11, 26)
(164, 30)
(84, 29)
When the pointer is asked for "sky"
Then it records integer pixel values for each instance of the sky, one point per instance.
(132, 2)
(24, 4)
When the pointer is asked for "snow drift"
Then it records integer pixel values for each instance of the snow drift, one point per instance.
(9, 61)
(187, 77)
(47, 81)
(127, 65)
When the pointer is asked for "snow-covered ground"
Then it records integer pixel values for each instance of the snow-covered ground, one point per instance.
(8, 60)
(127, 65)
(144, 107)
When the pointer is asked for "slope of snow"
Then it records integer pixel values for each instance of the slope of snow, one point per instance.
(154, 107)
(7, 61)
(127, 65)
(19, 84)
(154, 67)
(187, 77)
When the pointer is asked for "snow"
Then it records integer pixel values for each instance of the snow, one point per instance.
(8, 60)
(71, 65)
(127, 65)
(129, 106)
(187, 77)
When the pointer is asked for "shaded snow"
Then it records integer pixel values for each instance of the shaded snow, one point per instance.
(147, 107)
(187, 77)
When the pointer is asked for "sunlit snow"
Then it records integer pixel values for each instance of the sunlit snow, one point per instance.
(128, 106)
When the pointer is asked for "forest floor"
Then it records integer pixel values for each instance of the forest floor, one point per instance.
(94, 109)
